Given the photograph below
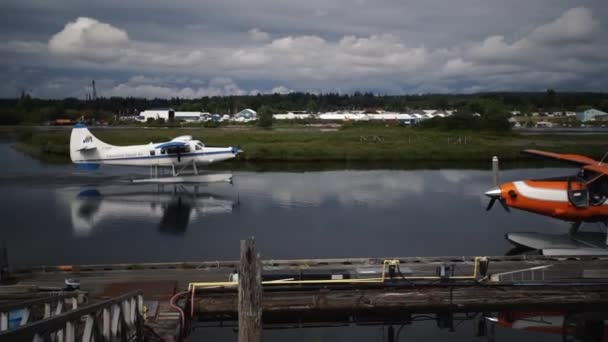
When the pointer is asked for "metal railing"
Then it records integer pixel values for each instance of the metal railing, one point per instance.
(116, 319)
(527, 274)
(49, 305)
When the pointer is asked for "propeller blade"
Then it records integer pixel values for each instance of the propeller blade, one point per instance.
(504, 204)
(491, 203)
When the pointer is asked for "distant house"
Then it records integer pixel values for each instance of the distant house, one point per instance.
(589, 114)
(567, 113)
(602, 118)
(245, 115)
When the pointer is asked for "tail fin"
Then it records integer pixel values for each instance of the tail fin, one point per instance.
(84, 146)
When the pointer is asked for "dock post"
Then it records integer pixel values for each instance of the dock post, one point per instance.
(250, 293)
(495, 169)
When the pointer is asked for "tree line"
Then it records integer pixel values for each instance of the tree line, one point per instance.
(28, 110)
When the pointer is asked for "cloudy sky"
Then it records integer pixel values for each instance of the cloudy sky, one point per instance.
(194, 48)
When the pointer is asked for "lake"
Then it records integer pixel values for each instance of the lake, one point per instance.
(58, 214)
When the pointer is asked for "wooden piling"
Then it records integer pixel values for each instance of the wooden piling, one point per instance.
(250, 293)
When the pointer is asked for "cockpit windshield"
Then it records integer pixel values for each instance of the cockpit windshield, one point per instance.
(198, 146)
(591, 188)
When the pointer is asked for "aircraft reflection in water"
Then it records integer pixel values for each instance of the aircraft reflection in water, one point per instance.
(585, 326)
(174, 209)
(571, 326)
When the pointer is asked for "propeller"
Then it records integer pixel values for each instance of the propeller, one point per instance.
(496, 194)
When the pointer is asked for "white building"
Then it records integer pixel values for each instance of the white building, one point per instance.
(293, 115)
(168, 113)
(245, 115)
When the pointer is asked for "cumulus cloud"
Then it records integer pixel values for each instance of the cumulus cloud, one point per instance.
(315, 58)
(168, 87)
(574, 25)
(565, 49)
(89, 39)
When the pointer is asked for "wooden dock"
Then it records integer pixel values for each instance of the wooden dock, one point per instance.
(346, 290)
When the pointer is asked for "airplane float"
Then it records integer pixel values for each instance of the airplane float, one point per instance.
(572, 326)
(179, 154)
(577, 199)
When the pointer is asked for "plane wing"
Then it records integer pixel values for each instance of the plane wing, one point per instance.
(569, 158)
(597, 168)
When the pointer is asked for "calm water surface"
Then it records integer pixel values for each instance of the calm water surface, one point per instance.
(57, 214)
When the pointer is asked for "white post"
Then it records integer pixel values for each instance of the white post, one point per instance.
(69, 332)
(495, 169)
(59, 335)
(140, 306)
(132, 307)
(115, 317)
(59, 307)
(88, 329)
(106, 324)
(47, 310)
(3, 321)
(25, 317)
(126, 312)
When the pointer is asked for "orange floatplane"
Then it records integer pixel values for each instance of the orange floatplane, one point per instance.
(577, 199)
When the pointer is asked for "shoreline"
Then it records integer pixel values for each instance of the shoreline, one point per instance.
(359, 147)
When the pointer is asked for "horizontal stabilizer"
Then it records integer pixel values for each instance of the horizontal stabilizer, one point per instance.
(87, 148)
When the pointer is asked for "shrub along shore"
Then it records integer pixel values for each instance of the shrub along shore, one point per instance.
(349, 145)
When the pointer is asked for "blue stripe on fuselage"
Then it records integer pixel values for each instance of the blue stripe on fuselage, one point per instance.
(173, 155)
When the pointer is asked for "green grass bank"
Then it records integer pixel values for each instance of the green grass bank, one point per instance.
(355, 144)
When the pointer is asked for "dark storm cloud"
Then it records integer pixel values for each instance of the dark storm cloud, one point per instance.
(194, 48)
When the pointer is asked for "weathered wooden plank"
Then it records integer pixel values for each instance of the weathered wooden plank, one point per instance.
(415, 300)
(250, 293)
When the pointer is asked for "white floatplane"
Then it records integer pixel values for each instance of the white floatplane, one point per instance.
(180, 154)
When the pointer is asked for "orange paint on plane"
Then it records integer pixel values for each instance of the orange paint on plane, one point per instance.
(558, 209)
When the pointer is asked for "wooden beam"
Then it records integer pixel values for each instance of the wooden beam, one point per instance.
(250, 293)
(413, 300)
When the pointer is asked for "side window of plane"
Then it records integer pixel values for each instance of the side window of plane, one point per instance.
(163, 151)
(199, 147)
(152, 152)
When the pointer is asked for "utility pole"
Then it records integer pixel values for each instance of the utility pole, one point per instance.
(94, 97)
